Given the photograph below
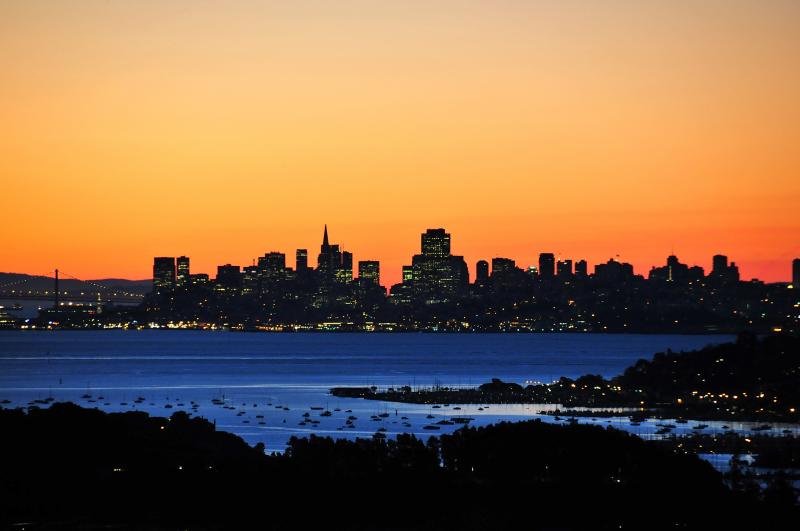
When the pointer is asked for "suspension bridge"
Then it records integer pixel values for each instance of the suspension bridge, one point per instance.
(30, 288)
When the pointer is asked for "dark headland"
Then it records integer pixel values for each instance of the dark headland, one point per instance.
(749, 380)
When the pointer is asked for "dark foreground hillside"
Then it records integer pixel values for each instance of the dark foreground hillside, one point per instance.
(67, 467)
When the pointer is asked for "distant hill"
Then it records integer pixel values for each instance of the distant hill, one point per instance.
(9, 281)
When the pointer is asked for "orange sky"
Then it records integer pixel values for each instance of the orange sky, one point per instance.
(224, 130)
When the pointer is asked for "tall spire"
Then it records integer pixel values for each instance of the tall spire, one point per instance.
(325, 238)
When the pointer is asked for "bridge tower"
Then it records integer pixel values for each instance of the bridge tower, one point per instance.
(56, 297)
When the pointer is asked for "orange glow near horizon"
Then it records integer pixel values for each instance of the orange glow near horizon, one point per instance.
(224, 130)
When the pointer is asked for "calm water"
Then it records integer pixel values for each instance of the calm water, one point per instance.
(260, 375)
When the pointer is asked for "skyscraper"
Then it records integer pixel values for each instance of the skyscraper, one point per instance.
(796, 273)
(272, 266)
(163, 274)
(344, 270)
(564, 269)
(502, 266)
(723, 273)
(182, 278)
(301, 260)
(437, 275)
(547, 266)
(720, 264)
(581, 269)
(229, 278)
(482, 272)
(370, 271)
(436, 242)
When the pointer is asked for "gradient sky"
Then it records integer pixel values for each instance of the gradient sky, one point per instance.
(223, 130)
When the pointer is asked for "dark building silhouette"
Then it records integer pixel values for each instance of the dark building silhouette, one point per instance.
(502, 266)
(547, 266)
(251, 280)
(301, 261)
(613, 272)
(675, 271)
(344, 272)
(182, 276)
(796, 273)
(581, 269)
(564, 269)
(370, 271)
(482, 272)
(438, 276)
(408, 274)
(722, 272)
(436, 243)
(333, 265)
(163, 274)
(229, 279)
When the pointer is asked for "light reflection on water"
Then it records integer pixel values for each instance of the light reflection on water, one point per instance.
(256, 373)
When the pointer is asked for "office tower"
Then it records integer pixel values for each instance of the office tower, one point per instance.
(675, 271)
(182, 277)
(581, 269)
(332, 263)
(408, 274)
(721, 272)
(796, 273)
(229, 278)
(163, 274)
(613, 272)
(250, 280)
(564, 269)
(369, 271)
(436, 243)
(547, 266)
(437, 275)
(343, 272)
(482, 272)
(720, 265)
(301, 260)
(502, 266)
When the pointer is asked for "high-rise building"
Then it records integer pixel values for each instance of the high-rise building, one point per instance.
(370, 271)
(437, 275)
(301, 260)
(272, 265)
(613, 272)
(547, 266)
(229, 278)
(564, 269)
(408, 274)
(502, 266)
(720, 264)
(163, 274)
(721, 272)
(333, 265)
(581, 269)
(796, 273)
(343, 273)
(482, 272)
(436, 243)
(250, 280)
(182, 277)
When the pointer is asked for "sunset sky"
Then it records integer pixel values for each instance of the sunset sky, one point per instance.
(224, 130)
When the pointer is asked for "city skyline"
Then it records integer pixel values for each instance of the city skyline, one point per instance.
(389, 277)
(586, 128)
(557, 262)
